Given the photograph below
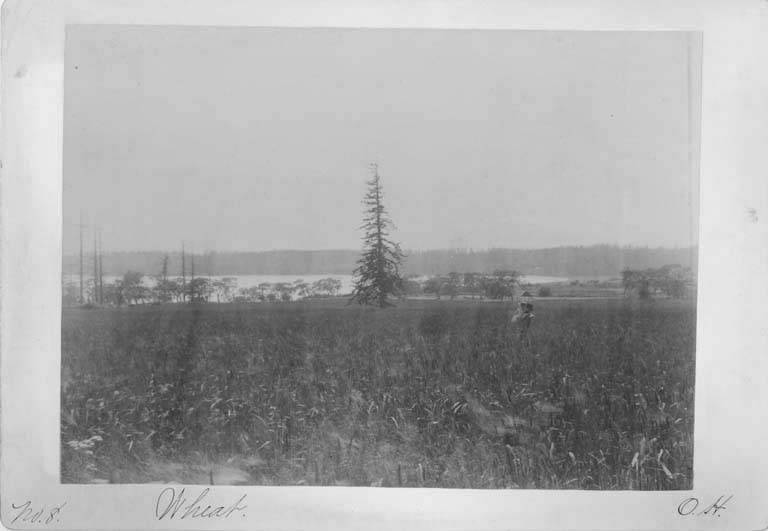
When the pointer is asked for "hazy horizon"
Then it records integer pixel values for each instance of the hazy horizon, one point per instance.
(259, 139)
(559, 261)
(88, 249)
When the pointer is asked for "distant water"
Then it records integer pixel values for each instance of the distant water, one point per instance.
(539, 279)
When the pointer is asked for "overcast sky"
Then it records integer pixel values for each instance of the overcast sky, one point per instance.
(256, 139)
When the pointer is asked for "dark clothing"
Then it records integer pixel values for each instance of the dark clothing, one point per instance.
(526, 316)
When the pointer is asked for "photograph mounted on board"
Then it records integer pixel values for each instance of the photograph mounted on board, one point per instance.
(379, 257)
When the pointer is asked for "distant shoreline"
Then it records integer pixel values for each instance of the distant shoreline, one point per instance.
(574, 262)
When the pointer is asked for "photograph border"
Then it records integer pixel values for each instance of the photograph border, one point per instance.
(731, 367)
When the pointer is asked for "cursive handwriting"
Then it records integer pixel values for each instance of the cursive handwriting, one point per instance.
(690, 506)
(29, 514)
(172, 504)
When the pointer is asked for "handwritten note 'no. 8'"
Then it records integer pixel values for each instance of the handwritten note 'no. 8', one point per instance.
(27, 513)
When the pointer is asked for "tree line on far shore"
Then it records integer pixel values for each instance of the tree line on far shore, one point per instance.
(568, 261)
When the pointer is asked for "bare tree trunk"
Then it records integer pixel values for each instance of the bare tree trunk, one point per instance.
(192, 277)
(183, 274)
(95, 297)
(81, 258)
(101, 271)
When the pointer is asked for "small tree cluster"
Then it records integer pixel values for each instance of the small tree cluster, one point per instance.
(499, 286)
(288, 291)
(669, 280)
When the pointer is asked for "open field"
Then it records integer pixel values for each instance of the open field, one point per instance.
(430, 393)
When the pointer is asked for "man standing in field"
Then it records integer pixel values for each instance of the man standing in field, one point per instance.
(524, 314)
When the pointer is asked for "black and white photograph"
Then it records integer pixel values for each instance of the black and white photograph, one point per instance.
(379, 257)
(359, 264)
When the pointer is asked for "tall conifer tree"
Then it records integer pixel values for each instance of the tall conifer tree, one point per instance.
(377, 275)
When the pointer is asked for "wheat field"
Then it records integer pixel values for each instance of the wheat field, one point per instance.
(599, 395)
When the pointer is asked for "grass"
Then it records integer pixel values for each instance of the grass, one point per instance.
(430, 393)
